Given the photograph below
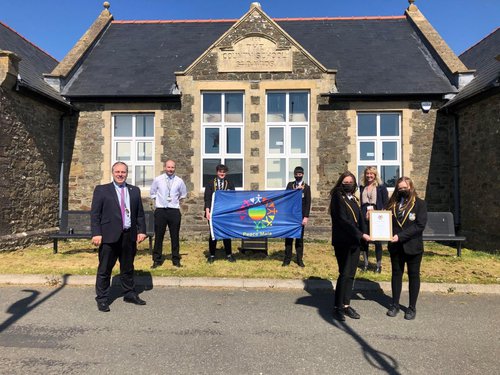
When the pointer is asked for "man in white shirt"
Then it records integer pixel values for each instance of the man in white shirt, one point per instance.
(167, 190)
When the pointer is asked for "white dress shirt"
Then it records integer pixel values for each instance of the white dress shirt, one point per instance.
(167, 191)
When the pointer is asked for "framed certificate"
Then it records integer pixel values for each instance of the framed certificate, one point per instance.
(380, 225)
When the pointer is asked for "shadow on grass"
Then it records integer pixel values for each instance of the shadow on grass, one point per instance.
(79, 251)
(430, 253)
(321, 296)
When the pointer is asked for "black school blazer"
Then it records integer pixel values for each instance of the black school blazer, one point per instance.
(410, 229)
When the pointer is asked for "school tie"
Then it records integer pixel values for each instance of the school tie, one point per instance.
(122, 204)
(400, 214)
(220, 184)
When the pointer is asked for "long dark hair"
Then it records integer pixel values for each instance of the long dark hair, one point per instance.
(394, 199)
(337, 188)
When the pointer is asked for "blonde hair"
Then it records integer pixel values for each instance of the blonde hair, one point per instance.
(374, 170)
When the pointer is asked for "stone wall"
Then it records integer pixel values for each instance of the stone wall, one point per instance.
(431, 158)
(84, 144)
(479, 137)
(29, 156)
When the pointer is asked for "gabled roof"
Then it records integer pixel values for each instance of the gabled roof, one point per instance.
(484, 58)
(34, 63)
(372, 56)
(481, 53)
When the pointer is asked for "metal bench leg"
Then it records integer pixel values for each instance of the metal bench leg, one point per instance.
(55, 246)
(459, 249)
(150, 245)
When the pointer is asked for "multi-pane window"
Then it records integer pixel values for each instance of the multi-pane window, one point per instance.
(379, 145)
(222, 135)
(287, 140)
(133, 143)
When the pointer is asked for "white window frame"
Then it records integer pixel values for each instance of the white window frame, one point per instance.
(287, 127)
(223, 125)
(379, 140)
(134, 140)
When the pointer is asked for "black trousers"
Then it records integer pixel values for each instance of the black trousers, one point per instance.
(212, 246)
(124, 250)
(347, 260)
(378, 250)
(299, 247)
(413, 262)
(164, 217)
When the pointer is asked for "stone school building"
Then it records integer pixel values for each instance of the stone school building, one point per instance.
(259, 94)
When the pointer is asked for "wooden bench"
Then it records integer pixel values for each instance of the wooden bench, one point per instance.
(253, 244)
(76, 224)
(441, 227)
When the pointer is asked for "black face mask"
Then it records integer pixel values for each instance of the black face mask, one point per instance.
(404, 193)
(298, 179)
(348, 188)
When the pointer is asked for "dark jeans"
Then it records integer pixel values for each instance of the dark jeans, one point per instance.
(347, 260)
(398, 260)
(164, 217)
(299, 247)
(378, 250)
(124, 250)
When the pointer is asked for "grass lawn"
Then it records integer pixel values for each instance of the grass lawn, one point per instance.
(78, 257)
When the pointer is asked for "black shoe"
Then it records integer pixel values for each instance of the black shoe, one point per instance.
(338, 314)
(177, 263)
(351, 313)
(155, 265)
(379, 269)
(410, 313)
(103, 306)
(301, 263)
(136, 300)
(211, 259)
(230, 258)
(393, 311)
(285, 263)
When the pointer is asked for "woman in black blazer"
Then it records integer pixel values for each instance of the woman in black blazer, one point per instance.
(374, 196)
(348, 231)
(409, 216)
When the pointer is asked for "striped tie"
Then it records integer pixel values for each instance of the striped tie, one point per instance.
(122, 204)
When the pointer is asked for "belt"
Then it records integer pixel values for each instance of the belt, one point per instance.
(126, 230)
(166, 208)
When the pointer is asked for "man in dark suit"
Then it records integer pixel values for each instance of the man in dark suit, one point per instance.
(220, 182)
(299, 183)
(117, 223)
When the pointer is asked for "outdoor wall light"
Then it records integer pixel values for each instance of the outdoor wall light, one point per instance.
(426, 106)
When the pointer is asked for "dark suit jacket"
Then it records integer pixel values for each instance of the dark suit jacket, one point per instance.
(306, 198)
(382, 198)
(211, 188)
(348, 225)
(106, 217)
(410, 230)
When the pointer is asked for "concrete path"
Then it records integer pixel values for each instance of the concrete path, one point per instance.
(243, 330)
(310, 284)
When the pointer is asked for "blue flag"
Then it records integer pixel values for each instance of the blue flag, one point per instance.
(256, 214)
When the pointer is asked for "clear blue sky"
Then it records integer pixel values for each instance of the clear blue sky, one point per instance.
(56, 25)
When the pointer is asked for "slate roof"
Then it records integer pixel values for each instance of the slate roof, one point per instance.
(481, 54)
(382, 56)
(482, 58)
(34, 62)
